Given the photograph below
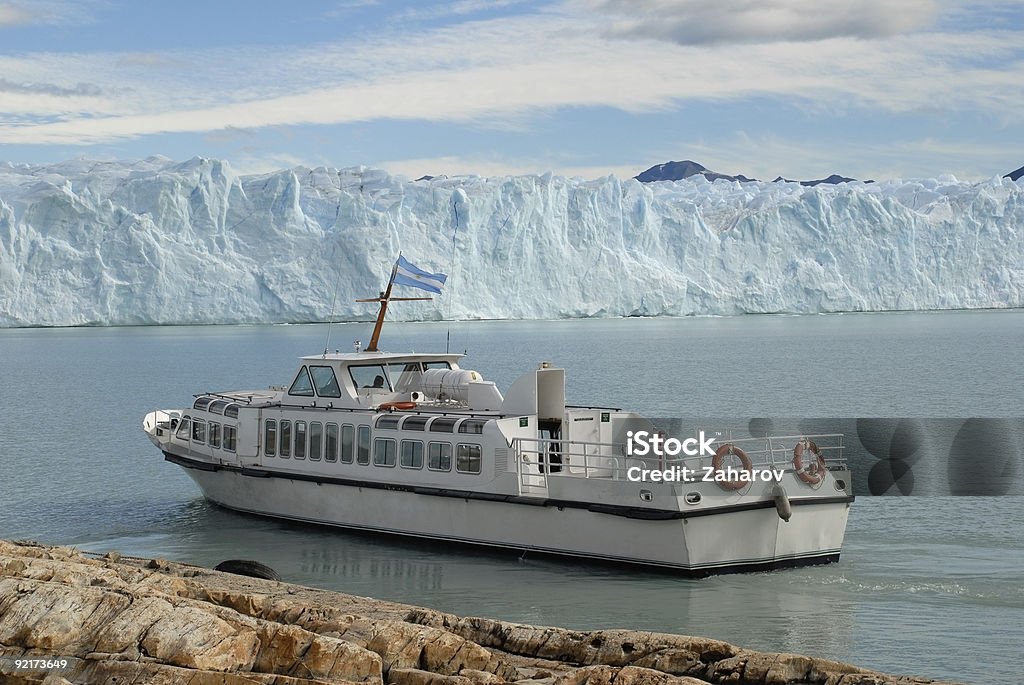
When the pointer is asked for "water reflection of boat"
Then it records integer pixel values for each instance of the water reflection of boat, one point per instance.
(412, 444)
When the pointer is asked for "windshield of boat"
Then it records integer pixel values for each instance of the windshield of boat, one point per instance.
(301, 385)
(369, 376)
(325, 381)
(404, 376)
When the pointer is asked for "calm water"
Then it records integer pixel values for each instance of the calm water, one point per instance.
(927, 585)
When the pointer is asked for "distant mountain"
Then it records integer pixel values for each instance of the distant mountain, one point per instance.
(1014, 175)
(675, 171)
(833, 179)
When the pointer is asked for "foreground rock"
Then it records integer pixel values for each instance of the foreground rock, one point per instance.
(116, 620)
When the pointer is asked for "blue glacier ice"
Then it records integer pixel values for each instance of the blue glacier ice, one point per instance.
(158, 241)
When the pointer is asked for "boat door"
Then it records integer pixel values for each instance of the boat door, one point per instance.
(550, 450)
(550, 412)
(247, 436)
(583, 428)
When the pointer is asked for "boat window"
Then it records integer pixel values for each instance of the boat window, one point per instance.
(325, 381)
(405, 376)
(443, 424)
(301, 386)
(198, 431)
(231, 411)
(316, 440)
(369, 376)
(390, 422)
(331, 440)
(384, 452)
(184, 429)
(270, 437)
(286, 439)
(229, 438)
(467, 458)
(300, 440)
(363, 445)
(214, 434)
(202, 402)
(415, 423)
(439, 456)
(348, 442)
(217, 406)
(472, 426)
(412, 454)
(437, 365)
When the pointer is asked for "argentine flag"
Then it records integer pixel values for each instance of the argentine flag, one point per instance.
(408, 274)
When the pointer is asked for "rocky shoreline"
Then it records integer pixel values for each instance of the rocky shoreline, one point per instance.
(133, 621)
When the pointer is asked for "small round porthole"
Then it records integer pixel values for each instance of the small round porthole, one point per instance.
(646, 495)
(692, 498)
(840, 484)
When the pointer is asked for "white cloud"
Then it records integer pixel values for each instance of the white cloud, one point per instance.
(490, 73)
(15, 15)
(454, 165)
(45, 12)
(698, 22)
(454, 9)
(265, 163)
(804, 159)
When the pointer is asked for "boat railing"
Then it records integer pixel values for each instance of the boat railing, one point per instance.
(779, 450)
(538, 458)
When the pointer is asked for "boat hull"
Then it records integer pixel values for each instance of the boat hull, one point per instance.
(727, 539)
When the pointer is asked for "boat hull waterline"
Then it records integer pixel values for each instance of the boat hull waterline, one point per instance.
(732, 537)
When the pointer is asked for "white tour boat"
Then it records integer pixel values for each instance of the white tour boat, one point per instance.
(414, 445)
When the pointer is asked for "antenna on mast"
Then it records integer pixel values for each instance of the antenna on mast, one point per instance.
(330, 321)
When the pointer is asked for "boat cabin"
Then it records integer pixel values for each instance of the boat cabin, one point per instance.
(366, 380)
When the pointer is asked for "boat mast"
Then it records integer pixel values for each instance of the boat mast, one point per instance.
(384, 298)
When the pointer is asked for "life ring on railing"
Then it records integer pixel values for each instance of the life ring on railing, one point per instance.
(815, 473)
(392, 406)
(716, 464)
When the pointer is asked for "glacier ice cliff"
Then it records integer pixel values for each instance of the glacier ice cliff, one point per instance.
(156, 241)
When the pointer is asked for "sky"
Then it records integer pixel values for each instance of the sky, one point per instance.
(874, 89)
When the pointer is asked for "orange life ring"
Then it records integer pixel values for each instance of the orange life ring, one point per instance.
(815, 473)
(392, 406)
(716, 464)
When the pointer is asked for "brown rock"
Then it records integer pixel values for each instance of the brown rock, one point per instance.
(627, 675)
(788, 668)
(729, 670)
(124, 633)
(415, 676)
(682, 662)
(187, 636)
(293, 651)
(482, 677)
(136, 621)
(52, 617)
(405, 645)
(135, 673)
(85, 610)
(610, 647)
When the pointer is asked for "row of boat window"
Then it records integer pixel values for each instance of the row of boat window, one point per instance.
(439, 424)
(393, 377)
(209, 433)
(216, 406)
(300, 439)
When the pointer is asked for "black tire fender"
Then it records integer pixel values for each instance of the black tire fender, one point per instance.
(247, 567)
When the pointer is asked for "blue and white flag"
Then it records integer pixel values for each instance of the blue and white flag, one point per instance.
(408, 274)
